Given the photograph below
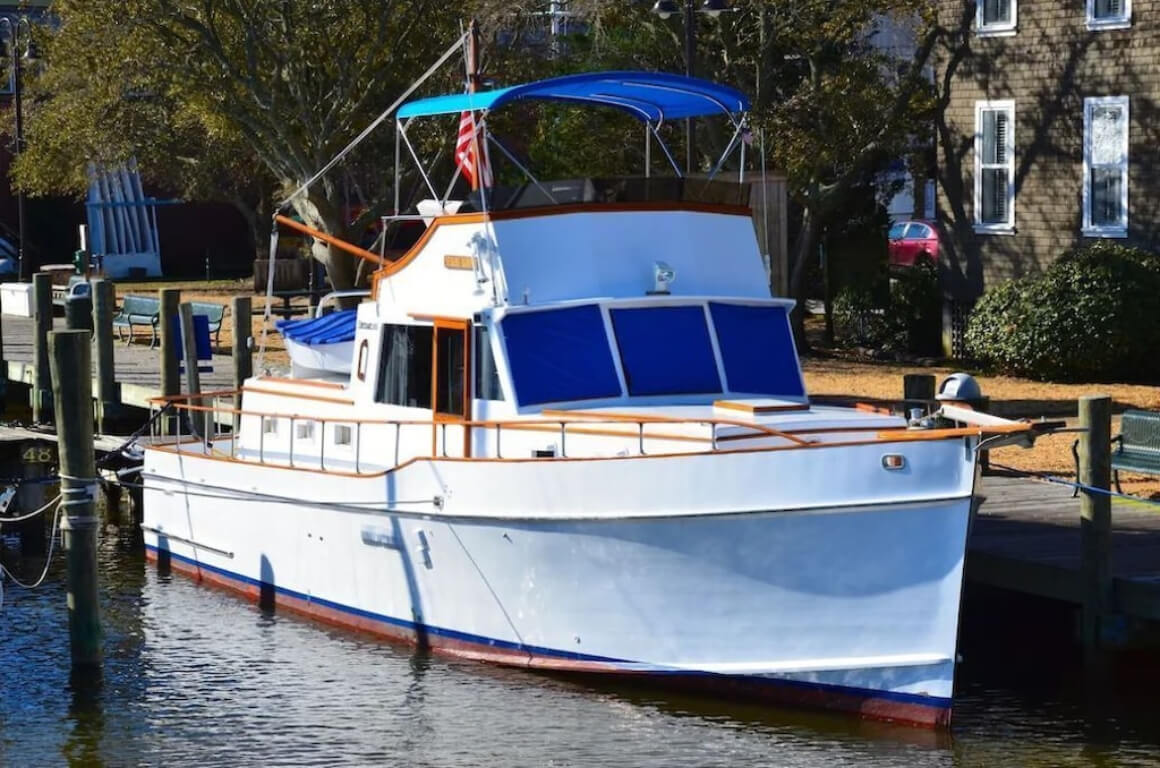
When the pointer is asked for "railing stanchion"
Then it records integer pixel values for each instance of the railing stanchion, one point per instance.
(177, 418)
(563, 432)
(498, 432)
(322, 444)
(640, 439)
(713, 434)
(357, 444)
(398, 428)
(444, 439)
(262, 439)
(291, 441)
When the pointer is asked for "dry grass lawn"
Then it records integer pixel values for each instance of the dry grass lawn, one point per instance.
(1010, 397)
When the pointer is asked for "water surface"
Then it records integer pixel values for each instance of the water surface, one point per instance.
(196, 676)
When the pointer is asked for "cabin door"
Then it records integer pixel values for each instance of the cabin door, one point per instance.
(451, 387)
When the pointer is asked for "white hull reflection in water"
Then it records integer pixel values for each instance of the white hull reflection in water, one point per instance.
(195, 677)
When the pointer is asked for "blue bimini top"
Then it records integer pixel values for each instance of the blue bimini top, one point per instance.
(334, 328)
(650, 96)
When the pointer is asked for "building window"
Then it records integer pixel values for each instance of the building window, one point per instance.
(343, 434)
(270, 425)
(995, 166)
(1109, 14)
(304, 430)
(1105, 167)
(996, 17)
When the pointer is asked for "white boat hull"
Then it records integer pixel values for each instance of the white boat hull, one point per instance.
(847, 606)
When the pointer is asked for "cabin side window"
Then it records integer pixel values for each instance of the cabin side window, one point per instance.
(405, 366)
(487, 386)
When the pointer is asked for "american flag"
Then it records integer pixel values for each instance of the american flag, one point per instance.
(475, 173)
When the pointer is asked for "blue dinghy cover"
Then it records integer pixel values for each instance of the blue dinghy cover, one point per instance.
(334, 328)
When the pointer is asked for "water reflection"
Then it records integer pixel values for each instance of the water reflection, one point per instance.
(194, 675)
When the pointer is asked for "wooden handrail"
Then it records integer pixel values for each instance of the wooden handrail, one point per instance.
(342, 245)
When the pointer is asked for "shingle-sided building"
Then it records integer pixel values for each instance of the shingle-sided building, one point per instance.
(1051, 136)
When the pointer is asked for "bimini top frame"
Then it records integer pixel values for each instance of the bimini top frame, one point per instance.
(651, 97)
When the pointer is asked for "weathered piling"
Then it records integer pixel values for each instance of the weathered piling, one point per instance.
(242, 320)
(41, 394)
(170, 354)
(36, 459)
(192, 375)
(72, 398)
(104, 307)
(1095, 417)
(918, 386)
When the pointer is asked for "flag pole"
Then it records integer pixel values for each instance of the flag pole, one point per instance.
(472, 84)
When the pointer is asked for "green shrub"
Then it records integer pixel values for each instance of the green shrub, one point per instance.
(858, 318)
(1094, 315)
(904, 318)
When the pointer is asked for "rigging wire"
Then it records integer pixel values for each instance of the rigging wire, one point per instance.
(326, 169)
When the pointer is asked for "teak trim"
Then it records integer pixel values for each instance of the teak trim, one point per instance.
(342, 245)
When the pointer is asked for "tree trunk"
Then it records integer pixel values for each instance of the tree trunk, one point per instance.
(804, 246)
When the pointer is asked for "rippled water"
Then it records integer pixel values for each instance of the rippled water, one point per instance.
(195, 676)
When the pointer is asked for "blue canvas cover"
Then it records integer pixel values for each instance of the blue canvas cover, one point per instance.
(757, 349)
(649, 96)
(666, 351)
(334, 328)
(559, 355)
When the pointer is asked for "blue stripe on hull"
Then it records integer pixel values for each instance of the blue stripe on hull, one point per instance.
(933, 702)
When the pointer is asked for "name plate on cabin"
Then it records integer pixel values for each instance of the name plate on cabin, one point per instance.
(452, 261)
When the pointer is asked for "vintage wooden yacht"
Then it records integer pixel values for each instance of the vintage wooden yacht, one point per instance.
(572, 434)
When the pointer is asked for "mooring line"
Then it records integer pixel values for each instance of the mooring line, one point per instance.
(1048, 478)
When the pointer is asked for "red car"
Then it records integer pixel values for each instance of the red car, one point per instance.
(911, 242)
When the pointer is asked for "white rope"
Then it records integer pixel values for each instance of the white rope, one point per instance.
(47, 560)
(377, 122)
(30, 515)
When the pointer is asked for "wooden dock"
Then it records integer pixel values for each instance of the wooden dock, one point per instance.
(1026, 538)
(138, 368)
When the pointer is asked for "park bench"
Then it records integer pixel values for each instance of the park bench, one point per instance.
(146, 311)
(215, 313)
(1136, 448)
(138, 310)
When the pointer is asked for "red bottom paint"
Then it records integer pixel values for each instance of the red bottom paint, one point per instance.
(779, 692)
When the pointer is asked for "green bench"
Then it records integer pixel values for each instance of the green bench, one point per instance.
(215, 313)
(146, 311)
(1136, 448)
(138, 310)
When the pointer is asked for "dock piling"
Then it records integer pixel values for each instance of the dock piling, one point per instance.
(170, 376)
(72, 397)
(192, 376)
(104, 304)
(242, 310)
(916, 387)
(1095, 416)
(41, 394)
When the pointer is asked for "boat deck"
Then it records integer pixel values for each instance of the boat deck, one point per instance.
(1026, 538)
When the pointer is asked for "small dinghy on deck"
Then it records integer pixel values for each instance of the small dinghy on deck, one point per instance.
(320, 345)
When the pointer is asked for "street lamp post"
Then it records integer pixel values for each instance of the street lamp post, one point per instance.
(667, 8)
(12, 33)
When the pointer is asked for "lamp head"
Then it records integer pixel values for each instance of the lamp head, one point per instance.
(665, 8)
(714, 7)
